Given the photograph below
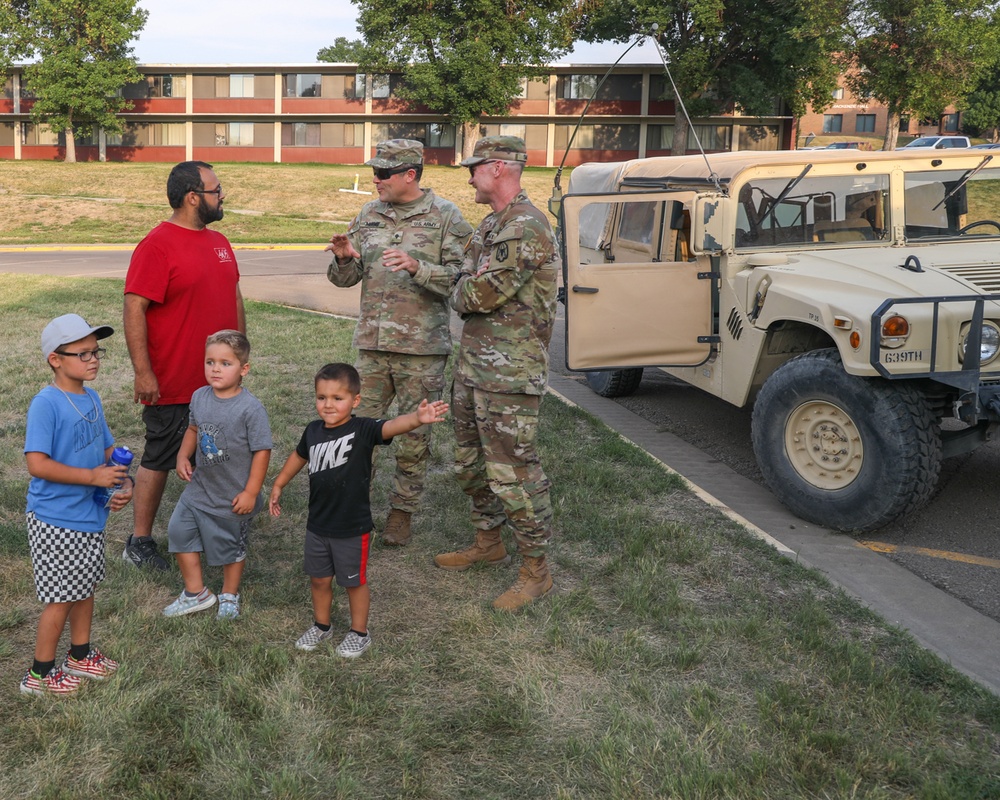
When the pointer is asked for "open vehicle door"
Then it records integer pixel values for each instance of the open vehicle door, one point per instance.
(633, 296)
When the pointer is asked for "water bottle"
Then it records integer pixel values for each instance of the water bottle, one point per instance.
(119, 456)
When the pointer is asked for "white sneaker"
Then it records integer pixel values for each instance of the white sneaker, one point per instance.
(353, 645)
(188, 605)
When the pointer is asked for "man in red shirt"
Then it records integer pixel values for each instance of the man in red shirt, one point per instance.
(182, 285)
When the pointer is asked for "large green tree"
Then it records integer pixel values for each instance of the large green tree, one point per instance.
(463, 58)
(731, 55)
(13, 40)
(981, 110)
(83, 58)
(342, 51)
(918, 56)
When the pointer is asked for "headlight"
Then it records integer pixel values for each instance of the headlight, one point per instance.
(989, 345)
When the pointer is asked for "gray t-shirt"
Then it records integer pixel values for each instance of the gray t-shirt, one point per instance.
(230, 431)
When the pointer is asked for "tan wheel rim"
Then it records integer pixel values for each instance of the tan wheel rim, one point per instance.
(823, 445)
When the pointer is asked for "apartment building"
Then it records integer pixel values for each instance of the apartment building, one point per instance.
(331, 113)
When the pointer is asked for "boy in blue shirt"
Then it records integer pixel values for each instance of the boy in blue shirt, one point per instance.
(67, 446)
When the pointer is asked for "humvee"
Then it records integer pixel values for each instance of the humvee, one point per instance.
(852, 297)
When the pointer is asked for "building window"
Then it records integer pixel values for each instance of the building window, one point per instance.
(949, 123)
(838, 93)
(512, 129)
(167, 85)
(234, 134)
(380, 87)
(712, 137)
(241, 85)
(149, 134)
(865, 123)
(303, 85)
(598, 137)
(578, 87)
(833, 123)
(300, 134)
(430, 134)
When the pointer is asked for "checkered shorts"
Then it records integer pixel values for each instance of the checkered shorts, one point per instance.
(67, 564)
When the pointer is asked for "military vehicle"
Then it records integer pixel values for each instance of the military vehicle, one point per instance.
(852, 297)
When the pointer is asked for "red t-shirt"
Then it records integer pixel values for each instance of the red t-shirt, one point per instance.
(190, 278)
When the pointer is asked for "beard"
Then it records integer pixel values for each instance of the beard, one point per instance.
(207, 214)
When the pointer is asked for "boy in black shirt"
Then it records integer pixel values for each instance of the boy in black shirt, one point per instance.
(338, 448)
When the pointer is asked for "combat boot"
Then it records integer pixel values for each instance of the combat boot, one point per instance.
(397, 528)
(533, 582)
(488, 550)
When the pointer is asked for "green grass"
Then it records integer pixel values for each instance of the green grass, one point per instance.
(42, 202)
(678, 658)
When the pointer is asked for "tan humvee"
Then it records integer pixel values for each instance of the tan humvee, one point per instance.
(852, 297)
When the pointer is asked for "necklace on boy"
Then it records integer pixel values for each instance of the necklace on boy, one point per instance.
(77, 410)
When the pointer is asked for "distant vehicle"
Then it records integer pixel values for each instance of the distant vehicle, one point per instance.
(843, 146)
(987, 146)
(937, 143)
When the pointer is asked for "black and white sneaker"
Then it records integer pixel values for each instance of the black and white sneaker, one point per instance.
(353, 645)
(143, 553)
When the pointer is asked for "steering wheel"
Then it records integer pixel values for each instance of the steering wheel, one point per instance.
(977, 224)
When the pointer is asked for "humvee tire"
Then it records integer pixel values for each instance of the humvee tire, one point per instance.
(842, 451)
(615, 382)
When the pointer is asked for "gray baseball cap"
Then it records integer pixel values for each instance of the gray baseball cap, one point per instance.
(397, 153)
(70, 328)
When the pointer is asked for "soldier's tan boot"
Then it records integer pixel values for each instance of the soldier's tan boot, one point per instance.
(397, 528)
(488, 549)
(533, 583)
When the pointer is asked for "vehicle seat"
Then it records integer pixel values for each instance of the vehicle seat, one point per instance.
(848, 230)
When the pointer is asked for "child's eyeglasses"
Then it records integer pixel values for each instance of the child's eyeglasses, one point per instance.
(85, 355)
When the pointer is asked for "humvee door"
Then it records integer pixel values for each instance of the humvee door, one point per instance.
(633, 295)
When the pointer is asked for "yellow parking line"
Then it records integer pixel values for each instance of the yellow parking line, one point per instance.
(883, 547)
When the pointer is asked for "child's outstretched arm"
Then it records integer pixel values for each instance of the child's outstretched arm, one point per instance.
(426, 414)
(293, 464)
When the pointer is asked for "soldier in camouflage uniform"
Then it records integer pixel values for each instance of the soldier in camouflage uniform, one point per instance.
(506, 294)
(405, 248)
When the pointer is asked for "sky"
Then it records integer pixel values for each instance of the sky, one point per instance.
(276, 32)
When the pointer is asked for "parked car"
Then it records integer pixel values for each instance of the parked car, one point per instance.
(843, 146)
(937, 143)
(987, 146)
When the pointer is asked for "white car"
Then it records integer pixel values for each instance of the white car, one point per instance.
(937, 143)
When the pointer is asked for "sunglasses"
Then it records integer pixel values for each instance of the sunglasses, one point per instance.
(384, 173)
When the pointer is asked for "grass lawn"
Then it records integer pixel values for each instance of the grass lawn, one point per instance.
(678, 658)
(45, 202)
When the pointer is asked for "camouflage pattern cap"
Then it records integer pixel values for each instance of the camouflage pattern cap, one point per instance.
(498, 148)
(397, 153)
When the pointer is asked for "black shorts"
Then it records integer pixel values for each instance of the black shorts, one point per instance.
(165, 428)
(347, 559)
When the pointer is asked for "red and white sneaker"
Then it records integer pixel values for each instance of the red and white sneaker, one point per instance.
(94, 665)
(56, 682)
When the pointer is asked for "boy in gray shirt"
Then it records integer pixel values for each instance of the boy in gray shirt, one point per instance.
(230, 433)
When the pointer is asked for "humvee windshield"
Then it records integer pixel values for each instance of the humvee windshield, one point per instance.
(952, 203)
(816, 211)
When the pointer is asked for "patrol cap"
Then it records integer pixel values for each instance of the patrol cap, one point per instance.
(70, 328)
(497, 148)
(397, 153)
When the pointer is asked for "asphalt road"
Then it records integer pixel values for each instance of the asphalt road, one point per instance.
(957, 527)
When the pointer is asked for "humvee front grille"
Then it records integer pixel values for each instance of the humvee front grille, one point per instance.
(985, 276)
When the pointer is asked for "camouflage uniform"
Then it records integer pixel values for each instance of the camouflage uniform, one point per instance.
(506, 293)
(403, 335)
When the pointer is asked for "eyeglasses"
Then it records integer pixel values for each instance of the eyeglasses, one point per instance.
(474, 167)
(217, 190)
(384, 173)
(85, 355)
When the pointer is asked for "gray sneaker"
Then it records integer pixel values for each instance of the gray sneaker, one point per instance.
(312, 637)
(143, 553)
(353, 645)
(188, 605)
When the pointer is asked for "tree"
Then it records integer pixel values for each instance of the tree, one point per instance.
(342, 51)
(918, 56)
(84, 58)
(981, 111)
(727, 55)
(13, 41)
(463, 58)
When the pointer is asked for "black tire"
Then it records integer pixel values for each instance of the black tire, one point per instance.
(615, 382)
(844, 452)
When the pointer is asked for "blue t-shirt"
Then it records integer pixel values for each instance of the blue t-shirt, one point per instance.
(71, 430)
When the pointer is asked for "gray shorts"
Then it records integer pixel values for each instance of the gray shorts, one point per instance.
(223, 540)
(347, 559)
